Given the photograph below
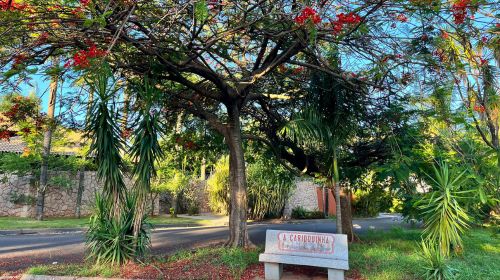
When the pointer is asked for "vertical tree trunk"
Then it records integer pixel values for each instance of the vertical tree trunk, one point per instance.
(203, 169)
(126, 103)
(238, 234)
(338, 210)
(81, 181)
(347, 215)
(47, 140)
(174, 204)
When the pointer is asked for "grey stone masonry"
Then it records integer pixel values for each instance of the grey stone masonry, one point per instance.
(305, 248)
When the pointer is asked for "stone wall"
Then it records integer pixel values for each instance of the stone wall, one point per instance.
(304, 195)
(17, 196)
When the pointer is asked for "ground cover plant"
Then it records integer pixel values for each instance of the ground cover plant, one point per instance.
(15, 223)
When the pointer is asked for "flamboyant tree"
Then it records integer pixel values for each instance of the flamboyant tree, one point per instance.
(212, 59)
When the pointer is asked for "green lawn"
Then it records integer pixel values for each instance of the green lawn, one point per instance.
(394, 255)
(13, 223)
(391, 255)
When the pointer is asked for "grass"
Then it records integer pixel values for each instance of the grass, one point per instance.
(80, 270)
(15, 223)
(235, 259)
(396, 255)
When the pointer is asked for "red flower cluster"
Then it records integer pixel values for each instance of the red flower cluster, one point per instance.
(479, 108)
(444, 34)
(82, 58)
(7, 5)
(343, 19)
(5, 135)
(18, 59)
(459, 10)
(402, 18)
(85, 2)
(308, 13)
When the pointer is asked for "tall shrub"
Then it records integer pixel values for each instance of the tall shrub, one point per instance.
(444, 218)
(269, 186)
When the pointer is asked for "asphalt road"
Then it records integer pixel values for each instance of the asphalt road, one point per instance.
(22, 251)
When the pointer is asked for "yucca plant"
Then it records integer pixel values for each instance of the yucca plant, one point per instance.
(145, 150)
(111, 240)
(444, 219)
(435, 263)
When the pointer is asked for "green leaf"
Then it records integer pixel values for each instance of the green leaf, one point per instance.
(201, 10)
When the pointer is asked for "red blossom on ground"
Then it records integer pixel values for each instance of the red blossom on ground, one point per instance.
(459, 11)
(343, 19)
(402, 18)
(308, 13)
(484, 39)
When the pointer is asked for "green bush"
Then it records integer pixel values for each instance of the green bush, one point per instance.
(269, 186)
(193, 210)
(110, 239)
(300, 212)
(371, 197)
(218, 186)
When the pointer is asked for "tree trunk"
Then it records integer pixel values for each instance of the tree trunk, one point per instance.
(174, 204)
(345, 203)
(81, 181)
(338, 210)
(47, 140)
(238, 234)
(203, 169)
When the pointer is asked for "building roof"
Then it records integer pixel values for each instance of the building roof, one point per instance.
(18, 146)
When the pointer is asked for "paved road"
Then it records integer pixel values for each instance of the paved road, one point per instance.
(21, 251)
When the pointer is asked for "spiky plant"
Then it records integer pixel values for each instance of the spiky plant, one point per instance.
(435, 264)
(444, 219)
(145, 150)
(110, 239)
(105, 135)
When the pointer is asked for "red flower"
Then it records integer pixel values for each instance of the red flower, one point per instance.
(18, 59)
(459, 11)
(308, 13)
(5, 135)
(483, 61)
(84, 2)
(484, 39)
(343, 19)
(444, 34)
(402, 18)
(11, 5)
(298, 70)
(81, 59)
(479, 108)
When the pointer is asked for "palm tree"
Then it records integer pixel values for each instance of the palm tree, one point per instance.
(47, 141)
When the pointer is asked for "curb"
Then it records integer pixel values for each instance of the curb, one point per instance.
(49, 277)
(28, 231)
(34, 231)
